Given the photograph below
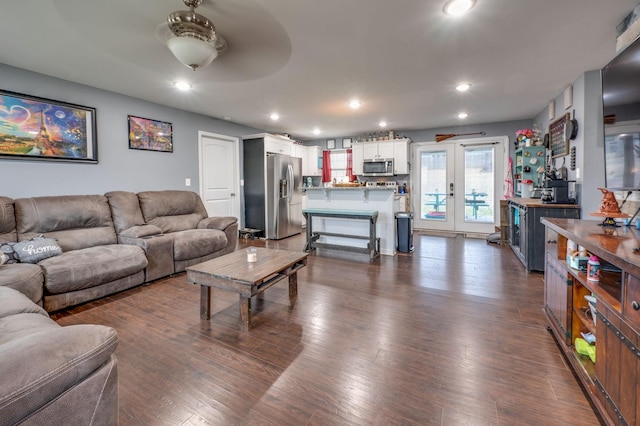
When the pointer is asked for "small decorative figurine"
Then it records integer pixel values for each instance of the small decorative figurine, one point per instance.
(609, 209)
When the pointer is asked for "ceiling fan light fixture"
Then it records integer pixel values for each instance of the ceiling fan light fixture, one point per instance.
(195, 42)
(192, 52)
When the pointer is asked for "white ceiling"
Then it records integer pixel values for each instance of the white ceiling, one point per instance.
(306, 59)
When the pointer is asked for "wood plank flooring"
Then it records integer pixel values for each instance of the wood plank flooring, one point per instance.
(452, 334)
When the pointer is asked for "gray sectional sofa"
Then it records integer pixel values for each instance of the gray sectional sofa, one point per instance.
(65, 250)
(108, 243)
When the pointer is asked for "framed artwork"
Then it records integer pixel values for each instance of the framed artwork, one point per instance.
(150, 135)
(331, 143)
(33, 128)
(558, 142)
(346, 143)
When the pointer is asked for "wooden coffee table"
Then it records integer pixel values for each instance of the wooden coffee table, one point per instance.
(232, 272)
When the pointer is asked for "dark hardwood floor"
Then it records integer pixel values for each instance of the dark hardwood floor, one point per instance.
(453, 334)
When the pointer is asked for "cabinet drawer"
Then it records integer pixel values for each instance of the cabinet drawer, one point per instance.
(632, 300)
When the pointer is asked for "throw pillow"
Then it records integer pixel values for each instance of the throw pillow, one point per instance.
(9, 253)
(37, 249)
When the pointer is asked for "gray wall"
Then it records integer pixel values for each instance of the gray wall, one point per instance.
(589, 143)
(119, 168)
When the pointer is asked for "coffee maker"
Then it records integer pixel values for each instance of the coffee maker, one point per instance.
(556, 191)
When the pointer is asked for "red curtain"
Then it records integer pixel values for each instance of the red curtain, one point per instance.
(350, 175)
(326, 166)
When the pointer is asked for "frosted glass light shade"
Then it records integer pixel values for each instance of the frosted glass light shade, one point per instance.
(192, 52)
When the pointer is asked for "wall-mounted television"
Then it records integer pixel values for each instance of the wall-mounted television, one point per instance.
(621, 113)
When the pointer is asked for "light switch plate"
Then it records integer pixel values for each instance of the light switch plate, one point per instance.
(187, 182)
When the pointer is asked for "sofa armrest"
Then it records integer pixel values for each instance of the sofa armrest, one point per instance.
(219, 222)
(140, 231)
(159, 251)
(38, 368)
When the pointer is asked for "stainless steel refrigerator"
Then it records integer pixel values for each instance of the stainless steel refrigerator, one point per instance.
(272, 191)
(284, 196)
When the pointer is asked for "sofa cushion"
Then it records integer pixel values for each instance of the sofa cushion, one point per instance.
(90, 267)
(57, 359)
(125, 210)
(36, 249)
(7, 220)
(76, 221)
(172, 211)
(28, 279)
(195, 243)
(12, 302)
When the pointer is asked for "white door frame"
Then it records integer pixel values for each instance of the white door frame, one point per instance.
(499, 171)
(236, 169)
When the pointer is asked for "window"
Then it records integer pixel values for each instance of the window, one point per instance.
(339, 165)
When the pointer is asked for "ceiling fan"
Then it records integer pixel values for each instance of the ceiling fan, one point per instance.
(192, 38)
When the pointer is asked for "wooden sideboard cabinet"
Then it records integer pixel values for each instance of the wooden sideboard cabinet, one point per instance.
(526, 232)
(613, 380)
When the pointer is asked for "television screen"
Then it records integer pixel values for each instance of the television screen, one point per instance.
(621, 111)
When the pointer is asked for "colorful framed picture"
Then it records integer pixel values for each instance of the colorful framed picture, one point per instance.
(33, 128)
(150, 135)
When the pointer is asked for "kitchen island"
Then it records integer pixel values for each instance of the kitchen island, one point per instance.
(380, 199)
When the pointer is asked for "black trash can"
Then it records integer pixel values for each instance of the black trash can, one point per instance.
(404, 232)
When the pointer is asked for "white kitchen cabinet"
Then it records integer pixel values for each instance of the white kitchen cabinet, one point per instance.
(313, 153)
(378, 150)
(299, 151)
(278, 145)
(401, 157)
(357, 152)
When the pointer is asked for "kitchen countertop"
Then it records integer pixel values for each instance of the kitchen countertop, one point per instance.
(536, 202)
(351, 188)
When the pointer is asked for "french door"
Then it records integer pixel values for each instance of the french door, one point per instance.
(458, 185)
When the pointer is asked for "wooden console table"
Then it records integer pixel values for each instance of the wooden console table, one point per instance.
(613, 380)
(373, 244)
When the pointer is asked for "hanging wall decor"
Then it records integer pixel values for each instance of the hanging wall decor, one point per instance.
(34, 128)
(558, 142)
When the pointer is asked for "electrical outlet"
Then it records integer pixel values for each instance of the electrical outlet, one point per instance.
(187, 182)
(577, 172)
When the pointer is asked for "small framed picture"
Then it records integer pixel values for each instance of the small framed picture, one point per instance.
(346, 143)
(331, 143)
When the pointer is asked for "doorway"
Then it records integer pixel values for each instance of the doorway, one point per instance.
(219, 178)
(458, 184)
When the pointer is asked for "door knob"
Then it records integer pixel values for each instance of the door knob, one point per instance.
(635, 305)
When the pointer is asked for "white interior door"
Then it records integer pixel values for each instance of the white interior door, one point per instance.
(219, 178)
(459, 185)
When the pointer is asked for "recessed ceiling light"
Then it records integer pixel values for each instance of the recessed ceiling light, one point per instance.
(382, 123)
(463, 87)
(463, 115)
(182, 85)
(355, 104)
(458, 7)
(316, 131)
(274, 116)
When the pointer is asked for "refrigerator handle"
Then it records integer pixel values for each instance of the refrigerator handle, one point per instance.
(290, 179)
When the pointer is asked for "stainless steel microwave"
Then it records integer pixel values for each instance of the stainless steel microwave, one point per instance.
(378, 167)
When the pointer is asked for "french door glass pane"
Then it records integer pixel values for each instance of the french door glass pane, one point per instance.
(433, 172)
(479, 184)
